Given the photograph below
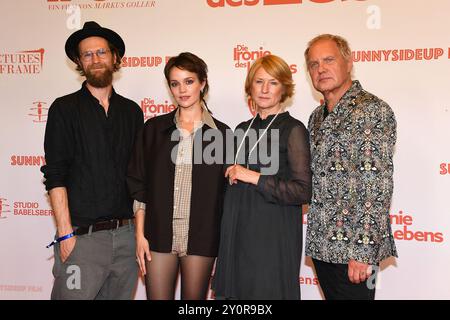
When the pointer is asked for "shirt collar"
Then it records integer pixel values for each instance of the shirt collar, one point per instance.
(87, 93)
(206, 118)
(343, 104)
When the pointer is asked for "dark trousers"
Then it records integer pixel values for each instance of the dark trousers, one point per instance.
(335, 284)
(102, 266)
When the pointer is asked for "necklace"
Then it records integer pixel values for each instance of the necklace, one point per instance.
(260, 137)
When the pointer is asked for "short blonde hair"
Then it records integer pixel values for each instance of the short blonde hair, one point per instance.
(341, 43)
(277, 68)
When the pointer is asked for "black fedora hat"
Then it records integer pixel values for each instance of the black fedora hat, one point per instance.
(92, 29)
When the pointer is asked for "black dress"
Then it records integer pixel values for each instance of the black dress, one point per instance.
(261, 231)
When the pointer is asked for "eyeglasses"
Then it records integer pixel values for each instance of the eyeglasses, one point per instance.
(88, 55)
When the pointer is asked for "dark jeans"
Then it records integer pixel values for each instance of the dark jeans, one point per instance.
(101, 266)
(335, 284)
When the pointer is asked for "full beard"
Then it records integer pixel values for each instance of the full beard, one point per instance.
(99, 79)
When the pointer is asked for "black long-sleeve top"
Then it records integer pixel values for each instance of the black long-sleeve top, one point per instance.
(87, 151)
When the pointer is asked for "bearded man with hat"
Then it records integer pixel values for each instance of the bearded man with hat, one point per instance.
(88, 141)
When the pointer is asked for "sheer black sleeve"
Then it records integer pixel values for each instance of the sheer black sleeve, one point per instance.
(297, 189)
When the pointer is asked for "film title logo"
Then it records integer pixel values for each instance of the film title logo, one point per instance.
(23, 209)
(30, 209)
(152, 109)
(305, 209)
(22, 62)
(39, 112)
(21, 288)
(243, 57)
(405, 220)
(142, 62)
(398, 55)
(445, 168)
(250, 3)
(18, 160)
(308, 281)
(99, 4)
(4, 208)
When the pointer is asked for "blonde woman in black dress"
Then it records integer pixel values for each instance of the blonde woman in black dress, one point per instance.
(261, 232)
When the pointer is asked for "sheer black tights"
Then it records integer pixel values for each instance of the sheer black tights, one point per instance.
(162, 275)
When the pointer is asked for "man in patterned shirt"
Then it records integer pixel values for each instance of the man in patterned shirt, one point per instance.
(352, 135)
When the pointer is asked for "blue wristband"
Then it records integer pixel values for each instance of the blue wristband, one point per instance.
(67, 236)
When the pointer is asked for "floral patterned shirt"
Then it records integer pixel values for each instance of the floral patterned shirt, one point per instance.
(352, 164)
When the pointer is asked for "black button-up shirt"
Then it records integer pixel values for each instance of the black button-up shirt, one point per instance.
(87, 151)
